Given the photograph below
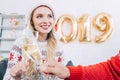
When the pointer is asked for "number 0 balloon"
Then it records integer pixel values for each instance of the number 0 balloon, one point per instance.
(73, 24)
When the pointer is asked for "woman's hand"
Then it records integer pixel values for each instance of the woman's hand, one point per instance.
(53, 67)
(18, 69)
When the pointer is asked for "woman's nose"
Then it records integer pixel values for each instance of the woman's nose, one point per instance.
(45, 19)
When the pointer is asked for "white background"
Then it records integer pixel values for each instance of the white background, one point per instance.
(78, 52)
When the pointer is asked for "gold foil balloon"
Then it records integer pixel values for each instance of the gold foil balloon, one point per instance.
(73, 24)
(1, 58)
(104, 23)
(85, 28)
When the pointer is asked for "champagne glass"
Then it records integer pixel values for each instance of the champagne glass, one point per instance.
(58, 57)
(30, 46)
(30, 51)
(51, 76)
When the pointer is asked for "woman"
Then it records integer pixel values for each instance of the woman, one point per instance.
(109, 70)
(41, 19)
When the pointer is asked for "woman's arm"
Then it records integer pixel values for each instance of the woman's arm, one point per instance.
(14, 58)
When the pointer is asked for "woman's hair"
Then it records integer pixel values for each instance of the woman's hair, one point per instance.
(51, 41)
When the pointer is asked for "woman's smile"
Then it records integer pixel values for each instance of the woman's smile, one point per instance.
(45, 27)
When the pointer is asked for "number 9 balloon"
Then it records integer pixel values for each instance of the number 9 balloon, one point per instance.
(104, 23)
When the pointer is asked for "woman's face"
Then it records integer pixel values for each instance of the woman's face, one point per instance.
(43, 19)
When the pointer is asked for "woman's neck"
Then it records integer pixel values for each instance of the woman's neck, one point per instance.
(42, 37)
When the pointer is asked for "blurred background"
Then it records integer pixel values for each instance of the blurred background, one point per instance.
(76, 51)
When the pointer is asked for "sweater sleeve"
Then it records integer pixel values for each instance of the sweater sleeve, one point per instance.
(109, 70)
(14, 58)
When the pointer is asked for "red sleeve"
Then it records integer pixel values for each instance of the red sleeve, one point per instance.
(109, 70)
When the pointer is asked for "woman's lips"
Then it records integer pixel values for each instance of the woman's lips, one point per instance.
(45, 27)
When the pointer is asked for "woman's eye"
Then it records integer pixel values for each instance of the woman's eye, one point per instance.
(50, 16)
(39, 16)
